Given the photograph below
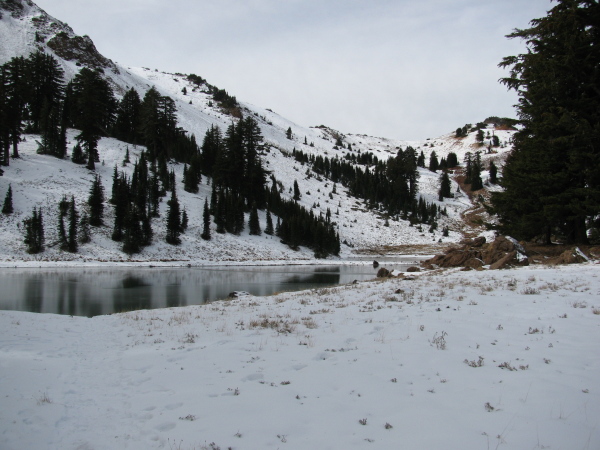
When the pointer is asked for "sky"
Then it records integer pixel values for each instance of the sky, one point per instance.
(400, 69)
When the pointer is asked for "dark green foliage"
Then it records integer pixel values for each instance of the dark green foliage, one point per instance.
(493, 173)
(269, 228)
(452, 160)
(297, 194)
(253, 223)
(433, 162)
(288, 133)
(225, 100)
(206, 222)
(421, 160)
(127, 122)
(62, 233)
(495, 141)
(551, 179)
(34, 232)
(184, 221)
(7, 207)
(92, 110)
(84, 229)
(445, 190)
(72, 245)
(96, 202)
(77, 155)
(173, 221)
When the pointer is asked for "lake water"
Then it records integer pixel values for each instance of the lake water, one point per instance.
(94, 291)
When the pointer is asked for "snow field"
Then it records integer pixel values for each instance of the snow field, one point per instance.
(449, 359)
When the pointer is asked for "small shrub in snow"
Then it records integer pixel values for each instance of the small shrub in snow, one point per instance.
(43, 399)
(530, 291)
(506, 365)
(363, 421)
(473, 363)
(387, 426)
(439, 340)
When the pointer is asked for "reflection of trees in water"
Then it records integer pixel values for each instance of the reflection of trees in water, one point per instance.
(174, 296)
(34, 294)
(99, 291)
(135, 293)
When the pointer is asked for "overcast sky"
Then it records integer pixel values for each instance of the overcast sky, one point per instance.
(406, 69)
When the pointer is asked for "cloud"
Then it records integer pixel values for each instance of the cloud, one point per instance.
(401, 68)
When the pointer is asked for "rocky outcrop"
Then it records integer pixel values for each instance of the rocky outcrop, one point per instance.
(476, 253)
(383, 273)
(571, 256)
(79, 49)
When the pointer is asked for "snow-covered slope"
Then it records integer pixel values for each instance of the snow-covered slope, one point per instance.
(450, 360)
(39, 180)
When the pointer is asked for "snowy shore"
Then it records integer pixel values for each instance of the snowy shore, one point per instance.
(446, 359)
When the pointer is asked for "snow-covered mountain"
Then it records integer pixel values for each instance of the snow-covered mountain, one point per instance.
(42, 180)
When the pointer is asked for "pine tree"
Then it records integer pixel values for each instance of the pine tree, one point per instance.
(288, 133)
(62, 233)
(96, 202)
(269, 228)
(77, 155)
(433, 162)
(253, 222)
(445, 190)
(206, 221)
(7, 208)
(493, 173)
(73, 221)
(173, 221)
(34, 232)
(184, 221)
(297, 194)
(84, 229)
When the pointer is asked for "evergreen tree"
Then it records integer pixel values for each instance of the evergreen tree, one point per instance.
(269, 228)
(452, 160)
(551, 179)
(173, 220)
(493, 173)
(73, 222)
(184, 221)
(77, 155)
(253, 222)
(206, 220)
(127, 122)
(84, 229)
(93, 106)
(62, 233)
(433, 162)
(445, 190)
(34, 232)
(7, 207)
(297, 194)
(288, 133)
(421, 160)
(476, 182)
(96, 202)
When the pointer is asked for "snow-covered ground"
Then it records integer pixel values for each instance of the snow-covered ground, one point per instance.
(470, 360)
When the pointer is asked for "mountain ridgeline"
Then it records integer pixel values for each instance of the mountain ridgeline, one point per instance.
(36, 99)
(251, 172)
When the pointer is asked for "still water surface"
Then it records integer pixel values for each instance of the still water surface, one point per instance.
(94, 291)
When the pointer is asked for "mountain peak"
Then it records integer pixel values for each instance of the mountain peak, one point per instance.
(25, 28)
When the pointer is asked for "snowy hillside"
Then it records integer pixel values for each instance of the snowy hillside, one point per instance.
(41, 181)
